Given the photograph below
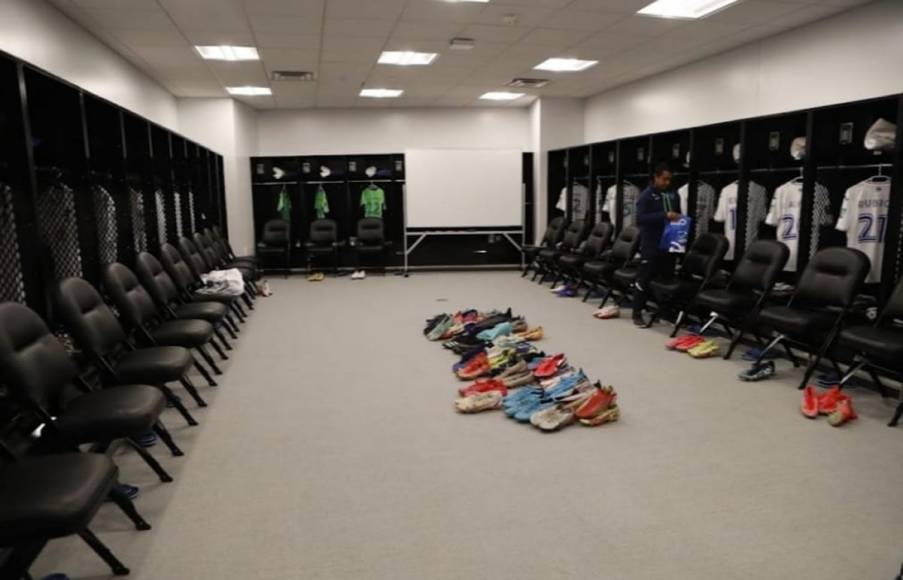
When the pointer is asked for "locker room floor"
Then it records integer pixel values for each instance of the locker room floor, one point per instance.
(331, 450)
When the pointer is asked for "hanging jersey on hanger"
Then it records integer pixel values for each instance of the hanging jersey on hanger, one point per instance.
(579, 202)
(373, 200)
(784, 214)
(727, 214)
(284, 205)
(863, 216)
(321, 203)
(705, 205)
(631, 193)
(562, 203)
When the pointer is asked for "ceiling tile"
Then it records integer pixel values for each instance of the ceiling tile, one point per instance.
(554, 37)
(369, 10)
(138, 38)
(487, 33)
(752, 12)
(526, 16)
(643, 26)
(302, 8)
(462, 12)
(358, 27)
(131, 19)
(264, 24)
(239, 73)
(299, 41)
(358, 50)
(426, 30)
(583, 20)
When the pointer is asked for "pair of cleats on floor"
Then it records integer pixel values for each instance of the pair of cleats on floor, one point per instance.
(694, 345)
(316, 277)
(834, 403)
(564, 291)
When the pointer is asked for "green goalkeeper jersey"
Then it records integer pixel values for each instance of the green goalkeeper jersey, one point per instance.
(373, 200)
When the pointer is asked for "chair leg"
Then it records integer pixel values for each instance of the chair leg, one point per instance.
(177, 403)
(192, 390)
(678, 323)
(605, 297)
(768, 347)
(128, 508)
(897, 414)
(589, 290)
(150, 460)
(222, 339)
(204, 372)
(556, 279)
(219, 350)
(813, 364)
(117, 567)
(790, 355)
(244, 315)
(239, 313)
(165, 436)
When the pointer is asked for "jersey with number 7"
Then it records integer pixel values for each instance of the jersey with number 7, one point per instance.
(863, 217)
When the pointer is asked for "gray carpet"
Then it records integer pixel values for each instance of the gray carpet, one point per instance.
(331, 451)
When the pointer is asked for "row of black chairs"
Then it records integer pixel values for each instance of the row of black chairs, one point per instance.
(49, 489)
(323, 242)
(814, 319)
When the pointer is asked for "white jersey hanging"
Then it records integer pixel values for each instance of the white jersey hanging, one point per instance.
(863, 216)
(631, 193)
(784, 214)
(579, 201)
(727, 214)
(705, 205)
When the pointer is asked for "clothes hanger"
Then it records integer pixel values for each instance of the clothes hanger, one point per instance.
(880, 178)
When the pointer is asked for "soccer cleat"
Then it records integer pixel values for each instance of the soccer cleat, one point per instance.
(691, 341)
(809, 406)
(844, 412)
(567, 292)
(501, 329)
(676, 342)
(532, 334)
(705, 349)
(827, 401)
(549, 366)
(758, 372)
(753, 354)
(479, 402)
(600, 400)
(558, 289)
(519, 380)
(607, 312)
(483, 386)
(610, 415)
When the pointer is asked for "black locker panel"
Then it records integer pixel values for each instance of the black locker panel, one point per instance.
(163, 206)
(140, 184)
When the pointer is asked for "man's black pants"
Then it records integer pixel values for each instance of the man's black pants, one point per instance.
(654, 265)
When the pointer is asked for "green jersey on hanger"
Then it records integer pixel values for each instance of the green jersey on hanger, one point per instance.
(373, 200)
(321, 203)
(284, 205)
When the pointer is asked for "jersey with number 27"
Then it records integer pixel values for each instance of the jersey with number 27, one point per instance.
(863, 217)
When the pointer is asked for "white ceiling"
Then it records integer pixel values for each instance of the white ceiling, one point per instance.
(340, 41)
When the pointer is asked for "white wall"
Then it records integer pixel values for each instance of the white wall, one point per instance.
(852, 56)
(40, 34)
(344, 131)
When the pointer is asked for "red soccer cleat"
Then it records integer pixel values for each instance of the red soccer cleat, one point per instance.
(843, 413)
(809, 406)
(691, 341)
(484, 386)
(599, 401)
(549, 366)
(827, 402)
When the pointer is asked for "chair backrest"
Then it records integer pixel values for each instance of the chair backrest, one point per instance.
(177, 267)
(193, 257)
(371, 231)
(575, 234)
(33, 363)
(704, 256)
(832, 278)
(627, 244)
(554, 232)
(217, 234)
(599, 239)
(276, 233)
(155, 279)
(759, 267)
(205, 246)
(893, 310)
(84, 313)
(324, 232)
(133, 302)
(217, 245)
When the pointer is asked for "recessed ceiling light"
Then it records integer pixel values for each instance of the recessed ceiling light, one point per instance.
(381, 93)
(249, 91)
(501, 96)
(407, 58)
(566, 64)
(226, 52)
(684, 8)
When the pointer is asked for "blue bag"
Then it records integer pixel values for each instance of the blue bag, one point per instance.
(677, 234)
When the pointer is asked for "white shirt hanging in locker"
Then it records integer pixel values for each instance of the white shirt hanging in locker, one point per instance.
(784, 214)
(562, 199)
(579, 202)
(727, 214)
(705, 205)
(631, 193)
(863, 216)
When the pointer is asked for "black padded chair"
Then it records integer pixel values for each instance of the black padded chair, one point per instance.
(570, 265)
(547, 258)
(551, 237)
(137, 309)
(217, 261)
(371, 240)
(599, 272)
(200, 263)
(165, 293)
(225, 255)
(39, 374)
(189, 285)
(878, 348)
(695, 273)
(813, 317)
(276, 242)
(322, 242)
(54, 496)
(737, 306)
(101, 337)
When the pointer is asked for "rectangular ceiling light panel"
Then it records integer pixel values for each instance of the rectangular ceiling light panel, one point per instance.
(566, 64)
(407, 58)
(689, 9)
(226, 52)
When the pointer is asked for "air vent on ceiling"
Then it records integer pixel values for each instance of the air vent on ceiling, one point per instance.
(459, 43)
(292, 75)
(528, 83)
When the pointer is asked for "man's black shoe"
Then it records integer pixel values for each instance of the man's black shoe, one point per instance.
(638, 320)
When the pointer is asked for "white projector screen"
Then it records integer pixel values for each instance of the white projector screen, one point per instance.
(460, 188)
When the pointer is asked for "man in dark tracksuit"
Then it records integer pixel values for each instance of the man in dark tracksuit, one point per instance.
(655, 207)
